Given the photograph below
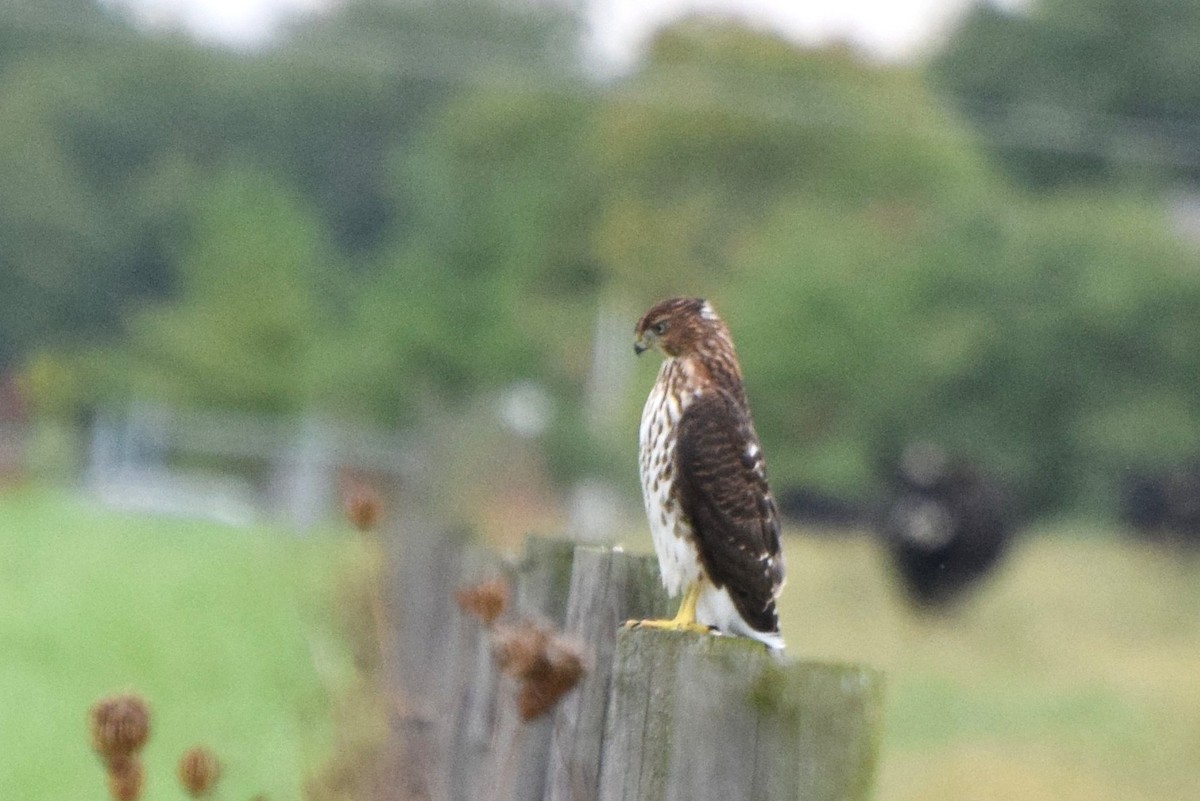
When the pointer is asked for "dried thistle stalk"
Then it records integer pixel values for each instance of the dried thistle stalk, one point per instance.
(198, 770)
(119, 726)
(486, 600)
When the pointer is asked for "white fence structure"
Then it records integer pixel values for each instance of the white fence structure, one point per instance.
(235, 467)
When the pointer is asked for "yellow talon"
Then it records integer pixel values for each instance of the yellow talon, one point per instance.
(684, 620)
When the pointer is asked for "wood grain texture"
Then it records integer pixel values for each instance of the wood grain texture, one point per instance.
(659, 716)
(608, 587)
(468, 686)
(516, 765)
(705, 718)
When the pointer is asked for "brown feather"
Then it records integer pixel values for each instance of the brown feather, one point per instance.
(723, 491)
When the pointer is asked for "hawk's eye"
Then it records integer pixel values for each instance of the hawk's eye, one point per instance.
(660, 327)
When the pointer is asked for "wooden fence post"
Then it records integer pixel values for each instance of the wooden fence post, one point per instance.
(544, 578)
(427, 563)
(467, 696)
(424, 652)
(607, 588)
(515, 768)
(701, 717)
(660, 716)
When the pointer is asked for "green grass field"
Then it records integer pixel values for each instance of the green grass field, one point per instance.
(227, 632)
(1074, 674)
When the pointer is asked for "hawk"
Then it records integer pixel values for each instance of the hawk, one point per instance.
(712, 518)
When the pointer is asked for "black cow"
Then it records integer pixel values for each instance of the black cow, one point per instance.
(1164, 507)
(821, 511)
(945, 525)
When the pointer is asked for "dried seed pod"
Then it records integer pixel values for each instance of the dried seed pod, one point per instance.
(199, 770)
(518, 649)
(120, 726)
(363, 507)
(486, 600)
(125, 778)
(546, 664)
(559, 668)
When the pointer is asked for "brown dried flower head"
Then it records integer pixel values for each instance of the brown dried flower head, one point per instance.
(363, 506)
(560, 668)
(125, 778)
(518, 649)
(199, 770)
(120, 725)
(485, 600)
(546, 664)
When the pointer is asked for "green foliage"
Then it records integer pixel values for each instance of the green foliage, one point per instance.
(53, 230)
(722, 125)
(487, 286)
(537, 207)
(395, 216)
(111, 135)
(1043, 339)
(256, 283)
(1082, 91)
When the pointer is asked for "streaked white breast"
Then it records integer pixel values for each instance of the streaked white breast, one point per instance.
(678, 560)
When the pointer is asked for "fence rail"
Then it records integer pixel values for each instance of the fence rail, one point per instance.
(226, 465)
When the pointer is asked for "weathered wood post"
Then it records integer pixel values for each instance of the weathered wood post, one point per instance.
(700, 717)
(423, 562)
(427, 562)
(465, 691)
(660, 716)
(544, 578)
(515, 768)
(608, 587)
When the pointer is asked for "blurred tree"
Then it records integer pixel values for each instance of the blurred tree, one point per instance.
(1071, 91)
(1094, 301)
(723, 123)
(413, 206)
(64, 28)
(111, 134)
(491, 263)
(256, 280)
(1042, 339)
(57, 256)
(538, 206)
(801, 190)
(60, 260)
(493, 282)
(357, 84)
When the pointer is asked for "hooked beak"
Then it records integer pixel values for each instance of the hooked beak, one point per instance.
(639, 348)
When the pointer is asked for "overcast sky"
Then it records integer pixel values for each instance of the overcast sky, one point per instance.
(891, 28)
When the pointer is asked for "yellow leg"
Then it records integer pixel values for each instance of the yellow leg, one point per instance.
(685, 618)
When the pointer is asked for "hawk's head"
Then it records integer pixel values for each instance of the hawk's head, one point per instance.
(678, 327)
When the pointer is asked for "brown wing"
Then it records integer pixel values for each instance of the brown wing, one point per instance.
(723, 491)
